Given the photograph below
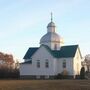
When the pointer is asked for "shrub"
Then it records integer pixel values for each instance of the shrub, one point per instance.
(59, 76)
(82, 73)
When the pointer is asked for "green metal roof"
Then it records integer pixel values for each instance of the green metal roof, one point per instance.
(64, 52)
(30, 52)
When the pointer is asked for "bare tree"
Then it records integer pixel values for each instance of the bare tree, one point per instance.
(7, 69)
(87, 61)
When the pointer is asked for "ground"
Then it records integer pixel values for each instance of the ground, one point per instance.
(44, 84)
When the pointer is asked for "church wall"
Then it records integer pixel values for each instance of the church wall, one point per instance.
(69, 65)
(73, 65)
(55, 63)
(42, 54)
(25, 69)
(77, 63)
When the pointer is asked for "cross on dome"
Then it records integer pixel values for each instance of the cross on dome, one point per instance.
(51, 24)
(51, 16)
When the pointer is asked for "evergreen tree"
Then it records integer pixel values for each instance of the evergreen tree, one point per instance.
(82, 73)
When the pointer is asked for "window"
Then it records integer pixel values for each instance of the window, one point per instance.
(46, 63)
(38, 63)
(64, 64)
(55, 47)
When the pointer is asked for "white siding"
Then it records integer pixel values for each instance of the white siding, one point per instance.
(77, 63)
(31, 69)
(73, 65)
(69, 65)
(26, 69)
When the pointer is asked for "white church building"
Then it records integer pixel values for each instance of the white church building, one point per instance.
(51, 58)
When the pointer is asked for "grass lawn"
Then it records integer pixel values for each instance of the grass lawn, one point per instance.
(44, 84)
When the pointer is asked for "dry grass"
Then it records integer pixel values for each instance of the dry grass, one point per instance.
(44, 84)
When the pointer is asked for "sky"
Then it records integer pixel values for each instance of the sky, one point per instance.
(24, 22)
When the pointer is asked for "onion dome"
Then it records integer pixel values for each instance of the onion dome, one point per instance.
(50, 37)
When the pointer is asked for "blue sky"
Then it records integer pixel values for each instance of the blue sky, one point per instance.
(24, 22)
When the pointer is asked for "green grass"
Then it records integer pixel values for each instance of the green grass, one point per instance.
(44, 84)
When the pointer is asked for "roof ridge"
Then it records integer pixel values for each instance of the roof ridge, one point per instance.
(30, 52)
